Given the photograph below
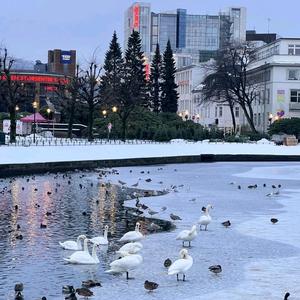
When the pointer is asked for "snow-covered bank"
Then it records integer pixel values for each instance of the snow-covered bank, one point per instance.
(37, 154)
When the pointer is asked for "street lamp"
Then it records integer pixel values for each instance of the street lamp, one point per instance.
(104, 113)
(17, 108)
(114, 109)
(48, 113)
(34, 105)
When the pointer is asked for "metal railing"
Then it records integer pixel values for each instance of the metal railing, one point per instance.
(28, 141)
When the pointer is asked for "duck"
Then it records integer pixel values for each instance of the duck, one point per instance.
(72, 245)
(130, 248)
(150, 286)
(68, 289)
(133, 236)
(181, 265)
(125, 264)
(174, 217)
(286, 296)
(187, 235)
(167, 263)
(72, 296)
(101, 240)
(205, 219)
(215, 269)
(84, 257)
(274, 220)
(226, 224)
(90, 283)
(85, 292)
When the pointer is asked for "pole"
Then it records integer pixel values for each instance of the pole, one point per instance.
(34, 125)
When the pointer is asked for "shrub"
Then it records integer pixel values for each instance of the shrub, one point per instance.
(288, 126)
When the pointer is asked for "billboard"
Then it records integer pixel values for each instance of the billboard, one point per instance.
(65, 57)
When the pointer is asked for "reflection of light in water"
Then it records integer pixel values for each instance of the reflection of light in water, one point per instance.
(106, 210)
(15, 191)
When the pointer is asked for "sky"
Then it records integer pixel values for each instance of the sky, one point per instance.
(29, 28)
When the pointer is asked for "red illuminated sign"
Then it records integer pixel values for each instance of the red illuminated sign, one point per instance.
(136, 17)
(38, 79)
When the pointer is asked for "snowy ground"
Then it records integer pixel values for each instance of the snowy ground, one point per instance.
(259, 260)
(19, 154)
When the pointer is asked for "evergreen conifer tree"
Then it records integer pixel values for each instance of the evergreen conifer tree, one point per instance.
(154, 84)
(134, 80)
(112, 77)
(169, 94)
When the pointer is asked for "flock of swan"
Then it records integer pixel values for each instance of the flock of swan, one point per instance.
(128, 255)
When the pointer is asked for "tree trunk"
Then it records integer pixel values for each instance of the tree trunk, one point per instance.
(71, 119)
(249, 119)
(231, 107)
(12, 117)
(90, 122)
(124, 125)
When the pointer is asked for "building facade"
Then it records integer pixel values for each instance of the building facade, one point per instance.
(62, 62)
(190, 106)
(197, 36)
(277, 69)
(138, 18)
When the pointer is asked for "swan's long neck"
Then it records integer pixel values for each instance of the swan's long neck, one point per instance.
(79, 242)
(105, 233)
(137, 229)
(207, 211)
(94, 254)
(85, 245)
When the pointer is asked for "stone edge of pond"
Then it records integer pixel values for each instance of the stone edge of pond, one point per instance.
(7, 170)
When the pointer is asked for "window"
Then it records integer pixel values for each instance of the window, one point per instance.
(216, 112)
(255, 119)
(258, 120)
(294, 50)
(294, 74)
(295, 95)
(268, 96)
(220, 111)
(237, 112)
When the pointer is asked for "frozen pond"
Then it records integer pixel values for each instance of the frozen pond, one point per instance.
(259, 260)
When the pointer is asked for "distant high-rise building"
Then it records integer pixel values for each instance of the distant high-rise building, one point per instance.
(196, 36)
(138, 18)
(62, 62)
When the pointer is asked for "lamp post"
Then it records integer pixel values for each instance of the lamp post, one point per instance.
(48, 113)
(34, 104)
(114, 110)
(186, 115)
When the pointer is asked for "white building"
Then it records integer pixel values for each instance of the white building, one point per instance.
(189, 80)
(277, 68)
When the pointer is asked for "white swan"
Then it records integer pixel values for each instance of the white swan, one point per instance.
(101, 240)
(206, 218)
(187, 235)
(182, 265)
(84, 257)
(130, 248)
(72, 245)
(125, 264)
(133, 236)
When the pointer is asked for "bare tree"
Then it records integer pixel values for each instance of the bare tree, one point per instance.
(68, 97)
(89, 92)
(12, 93)
(233, 81)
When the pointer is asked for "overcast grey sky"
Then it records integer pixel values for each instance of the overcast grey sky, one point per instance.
(28, 28)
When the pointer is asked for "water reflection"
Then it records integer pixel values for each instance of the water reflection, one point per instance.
(69, 205)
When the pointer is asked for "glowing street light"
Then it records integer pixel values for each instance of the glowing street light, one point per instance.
(34, 105)
(104, 113)
(114, 109)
